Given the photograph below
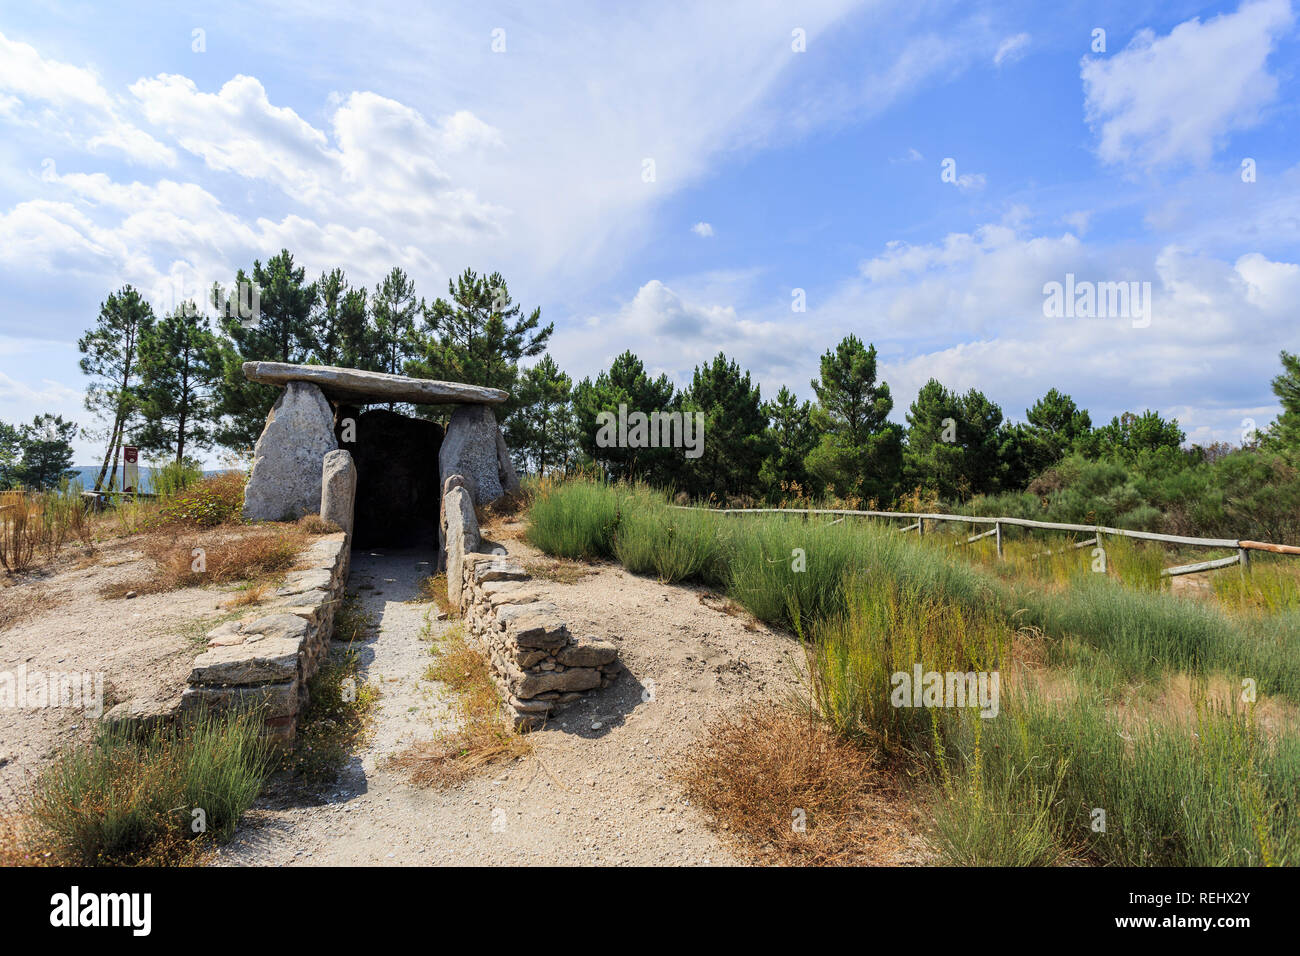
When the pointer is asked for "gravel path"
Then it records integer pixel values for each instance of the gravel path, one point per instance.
(596, 790)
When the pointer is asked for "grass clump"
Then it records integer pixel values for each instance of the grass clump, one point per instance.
(576, 519)
(1210, 791)
(433, 590)
(128, 798)
(339, 714)
(482, 736)
(886, 630)
(674, 546)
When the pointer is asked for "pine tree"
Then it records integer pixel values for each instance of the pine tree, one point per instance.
(282, 331)
(10, 452)
(180, 364)
(479, 336)
(625, 383)
(46, 452)
(860, 450)
(541, 430)
(735, 441)
(792, 438)
(1285, 431)
(110, 356)
(340, 321)
(954, 443)
(393, 310)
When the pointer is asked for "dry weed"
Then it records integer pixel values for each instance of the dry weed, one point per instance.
(482, 736)
(789, 791)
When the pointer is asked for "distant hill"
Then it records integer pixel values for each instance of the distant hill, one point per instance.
(87, 474)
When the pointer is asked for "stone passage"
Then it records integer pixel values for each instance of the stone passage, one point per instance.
(265, 662)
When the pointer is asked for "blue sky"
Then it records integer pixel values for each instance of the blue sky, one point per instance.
(135, 149)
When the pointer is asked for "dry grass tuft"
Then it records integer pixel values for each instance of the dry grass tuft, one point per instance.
(214, 558)
(483, 737)
(316, 525)
(433, 589)
(17, 846)
(247, 597)
(559, 570)
(19, 603)
(761, 773)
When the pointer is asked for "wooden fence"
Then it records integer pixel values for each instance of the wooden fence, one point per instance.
(1242, 557)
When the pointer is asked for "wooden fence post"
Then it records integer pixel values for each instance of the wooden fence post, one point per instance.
(998, 528)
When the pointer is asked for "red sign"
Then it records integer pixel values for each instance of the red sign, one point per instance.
(130, 454)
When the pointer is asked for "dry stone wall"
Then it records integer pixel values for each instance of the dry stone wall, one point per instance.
(538, 665)
(267, 661)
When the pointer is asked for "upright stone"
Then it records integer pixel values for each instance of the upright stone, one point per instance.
(286, 478)
(338, 489)
(506, 468)
(462, 537)
(470, 448)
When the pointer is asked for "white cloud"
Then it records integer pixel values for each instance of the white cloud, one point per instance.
(703, 229)
(968, 310)
(1078, 221)
(1171, 99)
(69, 101)
(674, 333)
(1011, 49)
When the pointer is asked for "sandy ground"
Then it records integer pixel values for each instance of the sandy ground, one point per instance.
(596, 791)
(141, 648)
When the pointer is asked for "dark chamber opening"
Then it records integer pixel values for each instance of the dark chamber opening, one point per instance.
(398, 491)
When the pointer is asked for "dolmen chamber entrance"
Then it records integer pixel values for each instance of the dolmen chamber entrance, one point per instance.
(400, 460)
(390, 480)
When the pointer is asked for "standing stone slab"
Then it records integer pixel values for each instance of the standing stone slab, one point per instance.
(286, 478)
(338, 489)
(462, 538)
(506, 468)
(470, 449)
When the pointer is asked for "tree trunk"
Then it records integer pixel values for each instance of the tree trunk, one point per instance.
(117, 444)
(108, 452)
(185, 402)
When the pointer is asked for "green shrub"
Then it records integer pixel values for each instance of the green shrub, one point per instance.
(674, 545)
(205, 504)
(1208, 792)
(173, 477)
(125, 798)
(575, 519)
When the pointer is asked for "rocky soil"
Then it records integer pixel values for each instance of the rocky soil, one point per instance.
(142, 647)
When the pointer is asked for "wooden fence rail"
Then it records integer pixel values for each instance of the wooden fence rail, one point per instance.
(1242, 547)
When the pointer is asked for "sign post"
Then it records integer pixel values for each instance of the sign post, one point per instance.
(130, 467)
